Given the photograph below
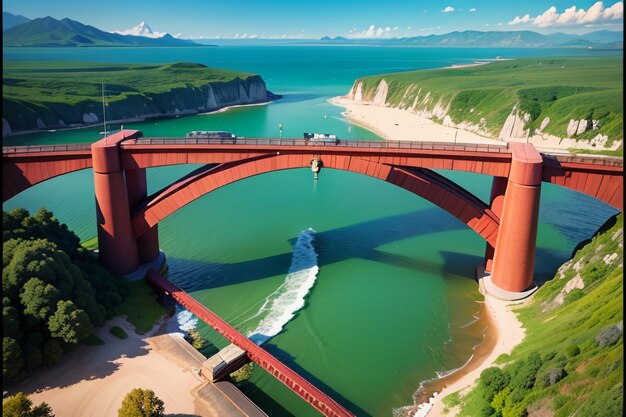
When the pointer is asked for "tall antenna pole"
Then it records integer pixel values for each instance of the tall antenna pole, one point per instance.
(104, 113)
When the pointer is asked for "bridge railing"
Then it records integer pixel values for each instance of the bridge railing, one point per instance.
(398, 144)
(46, 148)
(585, 159)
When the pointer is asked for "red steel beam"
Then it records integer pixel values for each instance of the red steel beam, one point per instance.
(303, 388)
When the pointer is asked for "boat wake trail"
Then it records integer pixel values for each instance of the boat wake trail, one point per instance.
(281, 306)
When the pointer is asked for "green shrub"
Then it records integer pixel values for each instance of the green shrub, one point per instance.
(572, 351)
(141, 403)
(19, 405)
(491, 381)
(118, 332)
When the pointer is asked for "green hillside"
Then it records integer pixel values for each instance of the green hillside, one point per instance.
(572, 359)
(559, 88)
(63, 92)
(73, 82)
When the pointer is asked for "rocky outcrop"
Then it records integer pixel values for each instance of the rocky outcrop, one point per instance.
(178, 101)
(576, 127)
(380, 97)
(514, 125)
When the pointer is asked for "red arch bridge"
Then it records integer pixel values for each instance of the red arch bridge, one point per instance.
(128, 218)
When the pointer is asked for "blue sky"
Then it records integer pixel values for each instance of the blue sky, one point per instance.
(313, 19)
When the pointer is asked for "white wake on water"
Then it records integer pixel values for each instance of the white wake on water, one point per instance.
(281, 305)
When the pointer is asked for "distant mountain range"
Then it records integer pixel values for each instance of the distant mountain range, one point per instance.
(9, 20)
(510, 39)
(47, 31)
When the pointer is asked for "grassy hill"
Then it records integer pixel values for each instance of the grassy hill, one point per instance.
(66, 91)
(572, 359)
(561, 89)
(47, 31)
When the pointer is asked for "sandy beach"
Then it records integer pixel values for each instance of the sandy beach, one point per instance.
(503, 334)
(398, 124)
(93, 380)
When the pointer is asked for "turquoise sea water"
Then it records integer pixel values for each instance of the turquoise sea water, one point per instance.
(394, 298)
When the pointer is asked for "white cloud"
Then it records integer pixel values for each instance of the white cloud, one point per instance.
(373, 32)
(473, 9)
(572, 16)
(448, 9)
(519, 20)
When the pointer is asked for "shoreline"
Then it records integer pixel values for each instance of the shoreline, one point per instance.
(503, 332)
(392, 123)
(133, 120)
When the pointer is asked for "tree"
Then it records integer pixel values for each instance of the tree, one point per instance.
(52, 352)
(39, 299)
(141, 403)
(19, 405)
(11, 359)
(69, 323)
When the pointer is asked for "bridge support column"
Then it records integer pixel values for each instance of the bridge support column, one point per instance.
(137, 187)
(496, 201)
(117, 248)
(514, 255)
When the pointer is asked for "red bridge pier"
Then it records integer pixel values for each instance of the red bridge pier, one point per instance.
(514, 255)
(117, 193)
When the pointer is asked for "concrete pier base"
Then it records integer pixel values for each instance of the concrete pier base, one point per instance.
(224, 362)
(488, 287)
(158, 264)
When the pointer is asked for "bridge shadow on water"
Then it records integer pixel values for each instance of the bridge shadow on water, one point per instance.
(357, 241)
(273, 408)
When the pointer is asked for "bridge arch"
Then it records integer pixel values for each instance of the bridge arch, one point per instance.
(423, 182)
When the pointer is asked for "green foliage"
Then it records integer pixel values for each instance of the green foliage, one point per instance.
(53, 352)
(19, 405)
(69, 323)
(51, 289)
(491, 381)
(141, 403)
(451, 401)
(572, 351)
(11, 359)
(561, 89)
(607, 403)
(39, 299)
(572, 356)
(118, 332)
(66, 90)
(141, 306)
(243, 374)
(93, 340)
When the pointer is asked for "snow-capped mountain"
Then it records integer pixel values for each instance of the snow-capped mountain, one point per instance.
(142, 29)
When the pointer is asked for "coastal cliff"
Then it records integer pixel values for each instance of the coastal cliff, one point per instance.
(511, 99)
(129, 99)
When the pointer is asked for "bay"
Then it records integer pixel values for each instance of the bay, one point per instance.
(395, 296)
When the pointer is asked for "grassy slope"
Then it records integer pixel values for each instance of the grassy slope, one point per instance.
(593, 383)
(559, 88)
(75, 82)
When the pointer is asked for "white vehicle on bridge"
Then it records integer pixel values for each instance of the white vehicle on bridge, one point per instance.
(321, 138)
(211, 134)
